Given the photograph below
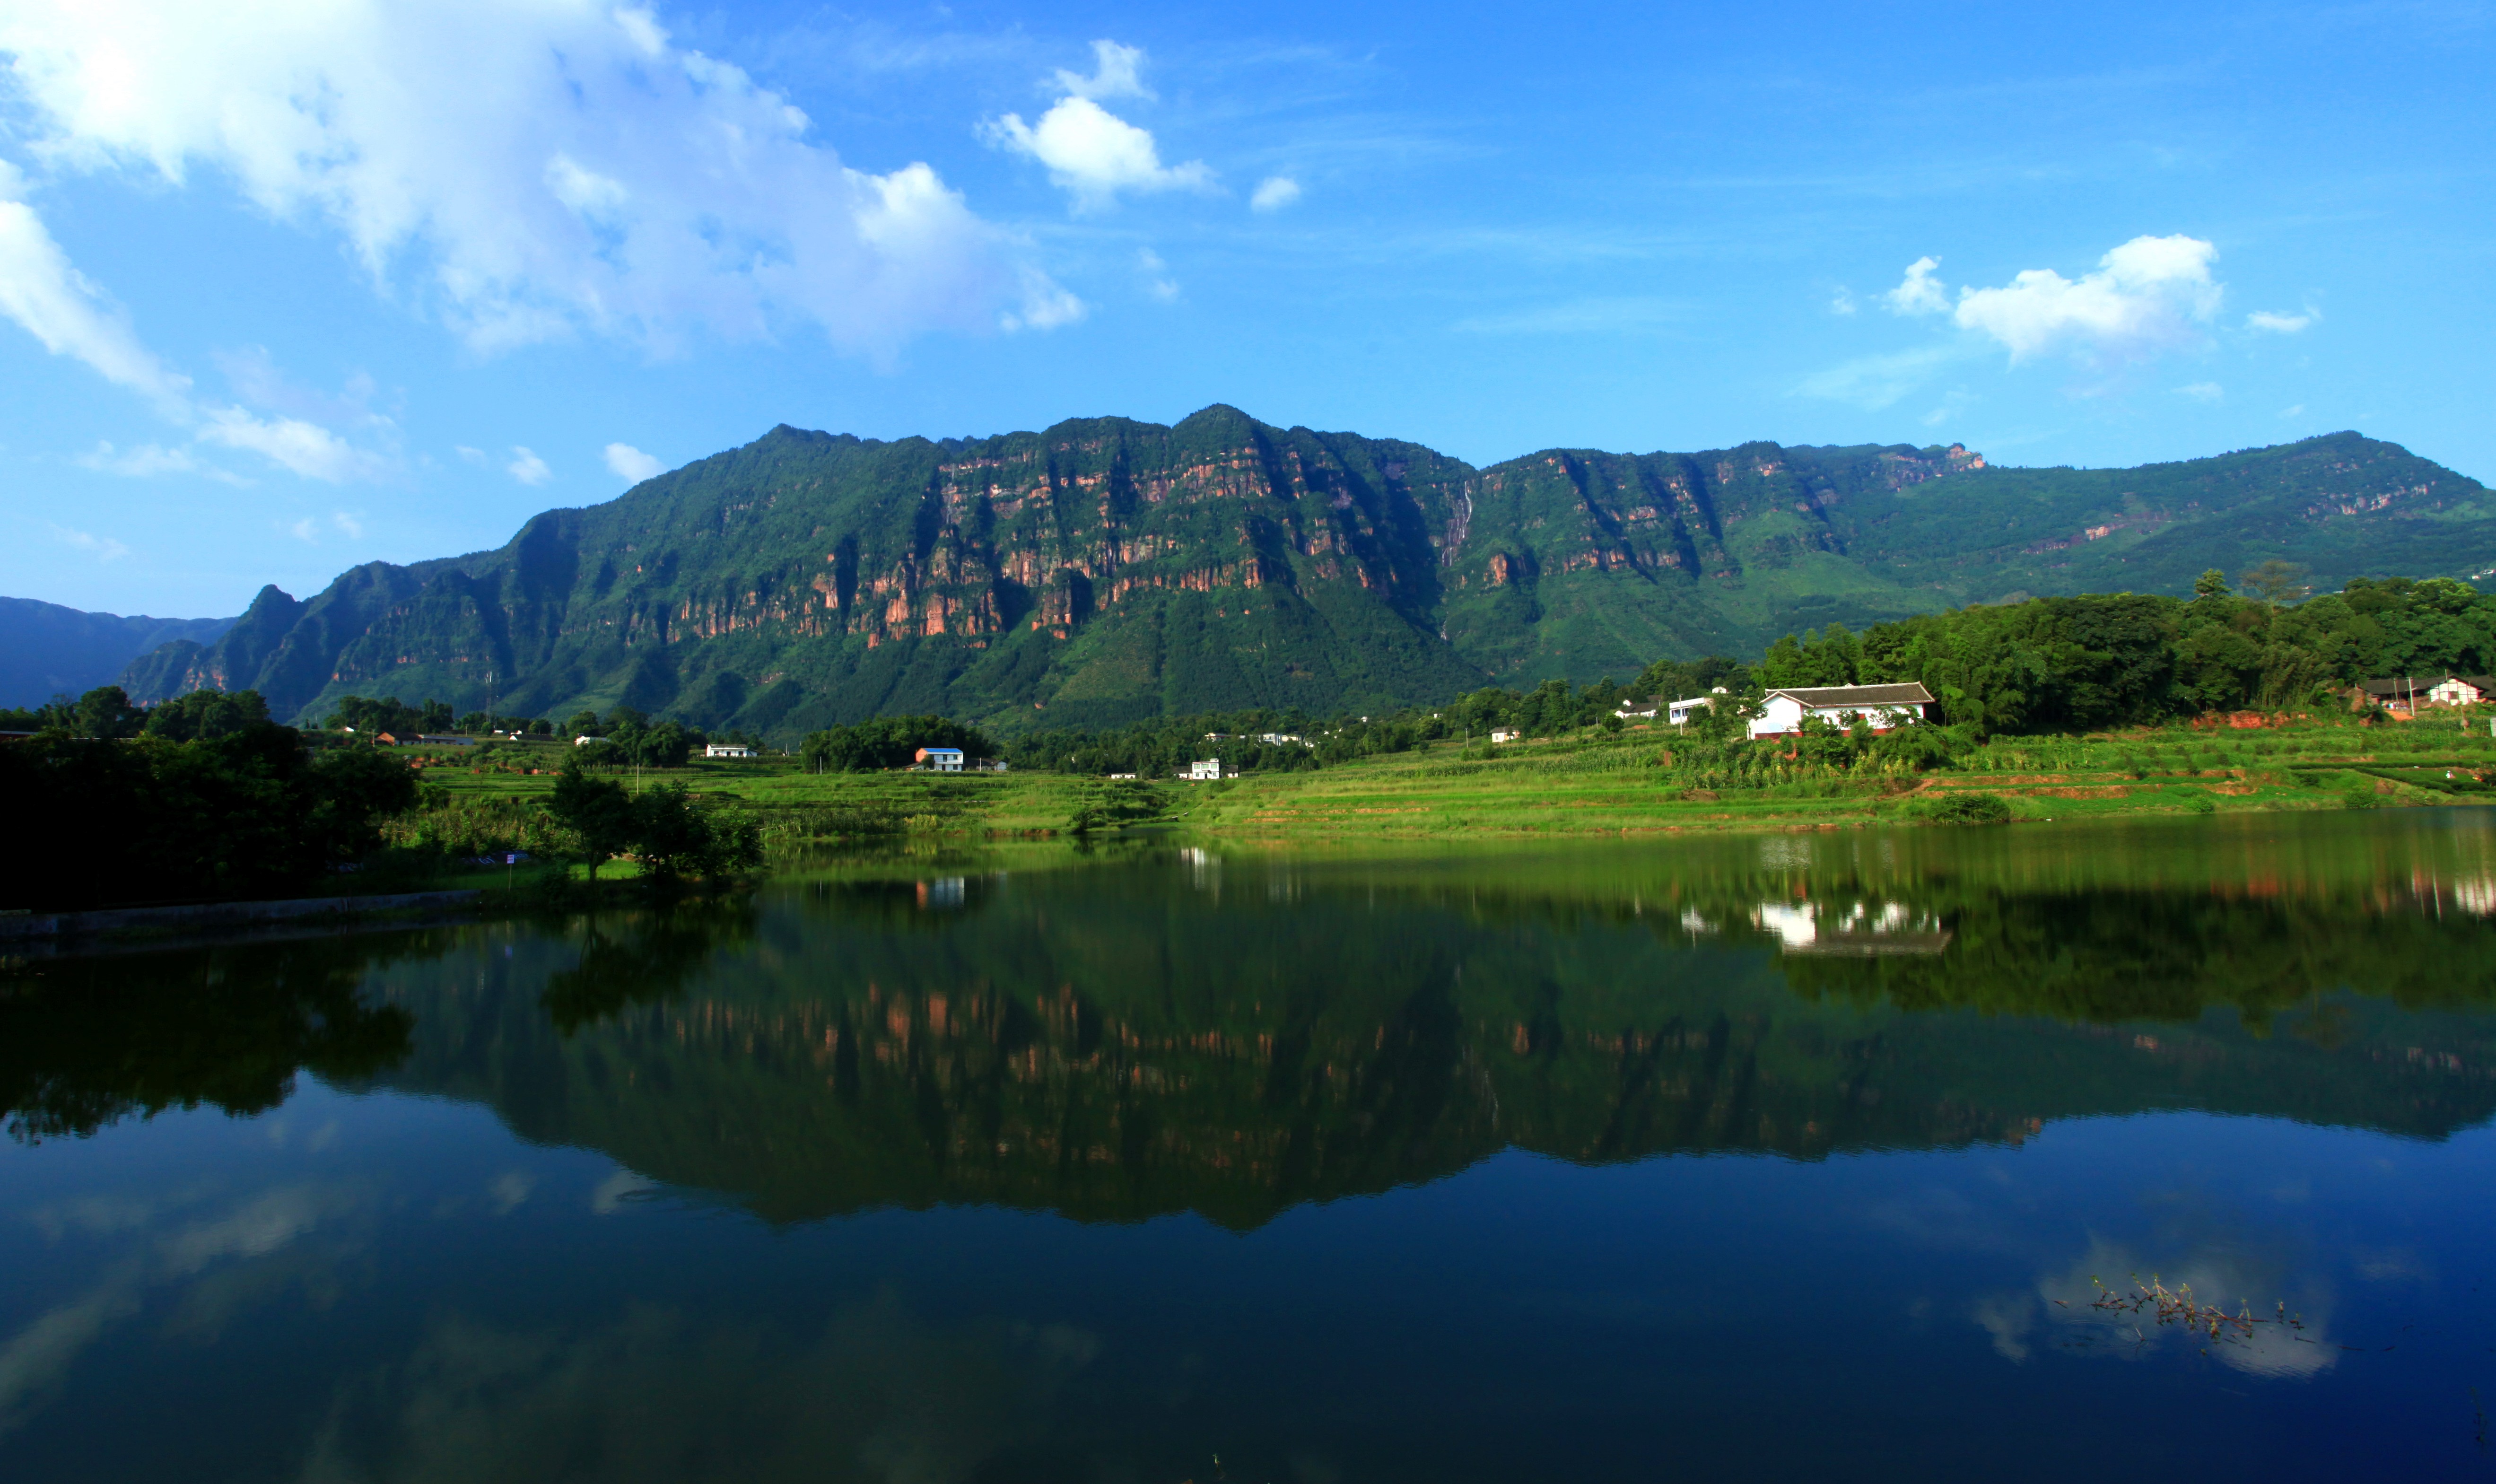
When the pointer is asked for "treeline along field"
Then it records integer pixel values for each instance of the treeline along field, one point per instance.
(2054, 707)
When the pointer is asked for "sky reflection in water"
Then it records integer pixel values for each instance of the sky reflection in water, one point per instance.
(1723, 1159)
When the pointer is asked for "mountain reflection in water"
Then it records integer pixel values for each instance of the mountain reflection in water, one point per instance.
(1233, 1034)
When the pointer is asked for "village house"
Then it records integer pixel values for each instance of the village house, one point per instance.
(2404, 693)
(1882, 707)
(727, 749)
(938, 759)
(1680, 712)
(1507, 734)
(1636, 709)
(1209, 770)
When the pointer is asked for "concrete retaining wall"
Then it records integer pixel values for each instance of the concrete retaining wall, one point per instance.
(216, 915)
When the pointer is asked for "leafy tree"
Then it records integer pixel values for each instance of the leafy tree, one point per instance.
(106, 712)
(674, 837)
(207, 714)
(596, 810)
(2274, 582)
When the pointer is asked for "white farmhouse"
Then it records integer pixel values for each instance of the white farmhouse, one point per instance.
(1880, 706)
(1507, 734)
(938, 760)
(727, 749)
(1680, 712)
(1209, 770)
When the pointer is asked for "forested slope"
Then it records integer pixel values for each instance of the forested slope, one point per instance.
(1107, 571)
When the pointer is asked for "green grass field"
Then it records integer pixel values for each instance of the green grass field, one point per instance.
(1608, 784)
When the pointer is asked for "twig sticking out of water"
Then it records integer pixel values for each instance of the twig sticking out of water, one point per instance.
(2177, 1306)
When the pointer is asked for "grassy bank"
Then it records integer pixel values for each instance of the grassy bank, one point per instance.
(1639, 781)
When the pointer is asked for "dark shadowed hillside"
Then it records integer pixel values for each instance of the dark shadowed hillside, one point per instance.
(47, 650)
(1107, 570)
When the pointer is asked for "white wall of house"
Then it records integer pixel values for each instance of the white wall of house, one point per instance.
(1782, 714)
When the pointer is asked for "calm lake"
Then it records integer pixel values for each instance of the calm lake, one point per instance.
(1790, 1156)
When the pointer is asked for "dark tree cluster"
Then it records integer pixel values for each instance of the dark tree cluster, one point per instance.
(888, 742)
(670, 834)
(243, 809)
(2096, 660)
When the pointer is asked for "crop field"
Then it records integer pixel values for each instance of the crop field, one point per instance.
(1597, 783)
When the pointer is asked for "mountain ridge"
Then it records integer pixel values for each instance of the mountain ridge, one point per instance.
(1103, 569)
(48, 649)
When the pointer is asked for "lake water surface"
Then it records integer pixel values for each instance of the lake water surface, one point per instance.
(1796, 1156)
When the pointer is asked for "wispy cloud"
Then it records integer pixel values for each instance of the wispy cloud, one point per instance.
(151, 460)
(2203, 391)
(103, 548)
(1875, 382)
(2280, 323)
(1599, 316)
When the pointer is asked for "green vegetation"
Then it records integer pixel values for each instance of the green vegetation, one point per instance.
(242, 814)
(1107, 571)
(2077, 664)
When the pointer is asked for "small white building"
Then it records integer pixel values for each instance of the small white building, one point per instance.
(1680, 712)
(2459, 691)
(1635, 710)
(1209, 770)
(938, 760)
(1507, 734)
(987, 765)
(727, 749)
(1882, 707)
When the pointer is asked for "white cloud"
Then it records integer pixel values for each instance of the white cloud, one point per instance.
(1091, 153)
(305, 448)
(527, 468)
(1157, 280)
(350, 526)
(54, 302)
(2280, 323)
(1045, 307)
(630, 464)
(1273, 193)
(2146, 297)
(531, 169)
(2298, 410)
(1116, 73)
(2203, 391)
(476, 456)
(1842, 301)
(305, 530)
(1919, 293)
(103, 547)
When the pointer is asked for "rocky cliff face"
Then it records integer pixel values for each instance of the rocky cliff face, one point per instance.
(1106, 570)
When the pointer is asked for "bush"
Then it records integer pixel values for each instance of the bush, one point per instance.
(1960, 808)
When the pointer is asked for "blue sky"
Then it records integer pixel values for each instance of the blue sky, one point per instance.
(314, 283)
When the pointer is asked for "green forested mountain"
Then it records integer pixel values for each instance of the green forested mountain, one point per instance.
(1107, 570)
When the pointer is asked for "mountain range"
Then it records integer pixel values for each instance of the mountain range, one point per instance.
(1107, 570)
(47, 650)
